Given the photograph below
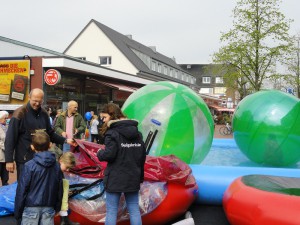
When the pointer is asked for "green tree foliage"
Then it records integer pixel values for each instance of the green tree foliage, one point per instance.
(251, 48)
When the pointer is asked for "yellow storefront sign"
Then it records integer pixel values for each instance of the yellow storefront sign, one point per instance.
(14, 81)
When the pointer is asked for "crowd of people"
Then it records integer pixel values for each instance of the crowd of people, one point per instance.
(36, 145)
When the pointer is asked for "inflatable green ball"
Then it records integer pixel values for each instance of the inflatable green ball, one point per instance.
(266, 128)
(180, 119)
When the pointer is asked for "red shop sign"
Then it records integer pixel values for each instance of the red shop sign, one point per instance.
(52, 77)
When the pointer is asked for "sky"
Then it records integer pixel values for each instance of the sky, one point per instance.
(187, 30)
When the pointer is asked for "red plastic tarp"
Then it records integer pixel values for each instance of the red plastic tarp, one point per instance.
(163, 168)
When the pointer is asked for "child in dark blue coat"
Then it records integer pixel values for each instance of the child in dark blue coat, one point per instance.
(39, 191)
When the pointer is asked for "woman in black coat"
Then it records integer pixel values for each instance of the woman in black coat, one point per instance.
(125, 153)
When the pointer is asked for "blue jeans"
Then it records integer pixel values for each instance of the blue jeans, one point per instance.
(66, 147)
(38, 216)
(132, 203)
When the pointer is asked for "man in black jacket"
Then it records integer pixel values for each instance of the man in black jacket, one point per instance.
(26, 120)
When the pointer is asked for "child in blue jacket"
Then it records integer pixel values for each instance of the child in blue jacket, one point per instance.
(40, 189)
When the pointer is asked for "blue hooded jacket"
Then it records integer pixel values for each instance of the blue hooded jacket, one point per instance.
(40, 184)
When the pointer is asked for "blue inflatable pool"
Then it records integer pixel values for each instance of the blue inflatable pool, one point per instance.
(223, 164)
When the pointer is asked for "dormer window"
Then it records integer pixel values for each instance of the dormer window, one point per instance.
(219, 80)
(153, 65)
(159, 68)
(165, 70)
(105, 60)
(206, 80)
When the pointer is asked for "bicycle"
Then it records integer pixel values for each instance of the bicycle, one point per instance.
(226, 129)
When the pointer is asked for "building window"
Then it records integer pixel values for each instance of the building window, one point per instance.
(171, 72)
(206, 80)
(206, 91)
(159, 68)
(153, 65)
(219, 80)
(176, 74)
(179, 76)
(193, 80)
(220, 90)
(105, 60)
(165, 70)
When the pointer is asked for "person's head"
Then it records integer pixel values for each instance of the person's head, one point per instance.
(58, 112)
(36, 98)
(111, 111)
(67, 161)
(49, 110)
(72, 107)
(92, 113)
(100, 116)
(40, 141)
(3, 117)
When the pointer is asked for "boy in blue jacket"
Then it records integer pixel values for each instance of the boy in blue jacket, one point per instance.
(39, 191)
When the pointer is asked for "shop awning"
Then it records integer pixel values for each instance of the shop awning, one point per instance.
(221, 109)
(120, 87)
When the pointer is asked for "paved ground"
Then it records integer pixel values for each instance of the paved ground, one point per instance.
(202, 214)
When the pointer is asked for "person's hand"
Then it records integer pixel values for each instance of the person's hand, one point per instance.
(64, 134)
(71, 141)
(100, 149)
(10, 167)
(76, 131)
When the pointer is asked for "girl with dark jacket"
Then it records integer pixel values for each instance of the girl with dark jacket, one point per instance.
(125, 153)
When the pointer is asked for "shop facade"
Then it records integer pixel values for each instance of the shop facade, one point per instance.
(90, 85)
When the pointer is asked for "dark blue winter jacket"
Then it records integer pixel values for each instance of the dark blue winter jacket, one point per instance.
(40, 184)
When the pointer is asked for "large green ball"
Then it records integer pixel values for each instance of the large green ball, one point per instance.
(266, 128)
(182, 119)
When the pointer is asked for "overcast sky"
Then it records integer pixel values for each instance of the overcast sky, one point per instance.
(188, 30)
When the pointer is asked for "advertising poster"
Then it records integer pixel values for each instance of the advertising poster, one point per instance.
(14, 82)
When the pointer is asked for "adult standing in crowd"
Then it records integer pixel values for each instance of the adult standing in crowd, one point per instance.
(49, 110)
(3, 128)
(25, 121)
(125, 153)
(94, 129)
(101, 137)
(57, 114)
(70, 124)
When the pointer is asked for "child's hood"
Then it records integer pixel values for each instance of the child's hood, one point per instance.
(45, 159)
